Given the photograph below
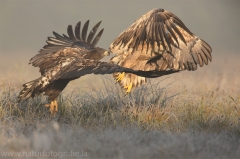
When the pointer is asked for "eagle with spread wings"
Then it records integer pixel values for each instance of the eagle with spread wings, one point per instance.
(156, 44)
(157, 41)
(66, 58)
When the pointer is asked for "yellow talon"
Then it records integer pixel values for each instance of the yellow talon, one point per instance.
(53, 107)
(120, 77)
(129, 88)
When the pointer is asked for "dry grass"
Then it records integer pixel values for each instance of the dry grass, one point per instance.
(188, 115)
(150, 122)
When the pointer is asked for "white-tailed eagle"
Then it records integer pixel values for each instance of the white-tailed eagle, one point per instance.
(66, 58)
(157, 41)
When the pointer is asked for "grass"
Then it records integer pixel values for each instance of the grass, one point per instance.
(151, 121)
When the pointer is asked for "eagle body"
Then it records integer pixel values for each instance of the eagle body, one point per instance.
(66, 58)
(48, 83)
(158, 41)
(156, 44)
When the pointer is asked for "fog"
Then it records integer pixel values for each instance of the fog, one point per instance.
(25, 25)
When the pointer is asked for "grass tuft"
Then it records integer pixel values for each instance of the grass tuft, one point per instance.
(100, 114)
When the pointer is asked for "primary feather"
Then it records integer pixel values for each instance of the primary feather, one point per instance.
(158, 41)
(66, 58)
(61, 60)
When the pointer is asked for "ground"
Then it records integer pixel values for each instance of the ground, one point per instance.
(187, 115)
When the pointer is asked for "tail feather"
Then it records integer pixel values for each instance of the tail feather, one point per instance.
(28, 90)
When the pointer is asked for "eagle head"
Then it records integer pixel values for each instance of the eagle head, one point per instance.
(106, 53)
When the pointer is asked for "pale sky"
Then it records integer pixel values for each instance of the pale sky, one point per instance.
(26, 24)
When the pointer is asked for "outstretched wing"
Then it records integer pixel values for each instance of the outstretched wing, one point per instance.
(186, 57)
(76, 68)
(162, 34)
(60, 47)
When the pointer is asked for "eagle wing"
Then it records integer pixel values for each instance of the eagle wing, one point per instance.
(59, 48)
(74, 68)
(164, 35)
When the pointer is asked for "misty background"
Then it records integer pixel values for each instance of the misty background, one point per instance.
(26, 24)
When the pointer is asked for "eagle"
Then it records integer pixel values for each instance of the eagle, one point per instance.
(157, 41)
(66, 58)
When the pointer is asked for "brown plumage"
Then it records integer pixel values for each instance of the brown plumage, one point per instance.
(66, 58)
(61, 57)
(158, 41)
(156, 44)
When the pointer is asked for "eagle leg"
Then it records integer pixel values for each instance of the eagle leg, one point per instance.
(120, 77)
(128, 88)
(53, 107)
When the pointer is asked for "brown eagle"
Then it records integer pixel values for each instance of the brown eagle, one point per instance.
(157, 41)
(66, 58)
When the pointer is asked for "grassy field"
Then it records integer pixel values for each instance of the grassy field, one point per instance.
(148, 123)
(188, 115)
(171, 117)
